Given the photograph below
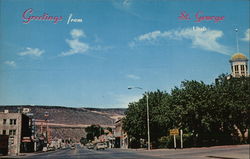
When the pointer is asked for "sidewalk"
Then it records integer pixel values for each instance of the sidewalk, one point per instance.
(22, 154)
(222, 152)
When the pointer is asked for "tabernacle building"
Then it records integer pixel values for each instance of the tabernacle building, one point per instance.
(239, 65)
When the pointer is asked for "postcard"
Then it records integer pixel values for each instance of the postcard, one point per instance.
(120, 75)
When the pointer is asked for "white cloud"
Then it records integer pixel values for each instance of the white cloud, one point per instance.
(10, 63)
(128, 7)
(247, 34)
(124, 100)
(77, 33)
(122, 4)
(206, 40)
(101, 48)
(154, 35)
(134, 77)
(32, 52)
(126, 3)
(76, 47)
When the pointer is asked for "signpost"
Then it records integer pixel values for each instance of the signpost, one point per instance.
(26, 139)
(174, 132)
(181, 132)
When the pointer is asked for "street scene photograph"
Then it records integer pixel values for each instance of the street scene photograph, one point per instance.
(124, 79)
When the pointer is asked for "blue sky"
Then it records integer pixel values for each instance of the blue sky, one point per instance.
(118, 44)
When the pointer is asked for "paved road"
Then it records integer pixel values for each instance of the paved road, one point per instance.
(220, 152)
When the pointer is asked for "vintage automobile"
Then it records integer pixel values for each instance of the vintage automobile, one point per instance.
(72, 147)
(90, 146)
(100, 146)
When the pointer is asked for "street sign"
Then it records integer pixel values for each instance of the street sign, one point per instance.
(174, 131)
(29, 114)
(26, 140)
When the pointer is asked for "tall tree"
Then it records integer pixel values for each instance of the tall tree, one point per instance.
(191, 107)
(212, 114)
(135, 122)
(235, 93)
(93, 131)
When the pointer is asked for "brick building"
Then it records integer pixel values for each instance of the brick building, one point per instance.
(121, 137)
(18, 128)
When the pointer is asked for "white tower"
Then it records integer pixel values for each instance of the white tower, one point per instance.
(239, 65)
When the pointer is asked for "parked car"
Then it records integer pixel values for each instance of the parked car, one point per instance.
(106, 145)
(100, 146)
(51, 148)
(45, 149)
(72, 147)
(90, 146)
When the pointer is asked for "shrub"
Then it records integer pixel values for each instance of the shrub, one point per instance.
(168, 141)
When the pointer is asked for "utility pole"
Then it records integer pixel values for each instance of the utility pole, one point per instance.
(148, 123)
(237, 42)
(46, 114)
(148, 127)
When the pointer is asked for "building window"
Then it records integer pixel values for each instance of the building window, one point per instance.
(12, 132)
(12, 121)
(236, 68)
(4, 121)
(242, 67)
(4, 132)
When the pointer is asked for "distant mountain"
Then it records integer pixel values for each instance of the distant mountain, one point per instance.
(70, 115)
(69, 122)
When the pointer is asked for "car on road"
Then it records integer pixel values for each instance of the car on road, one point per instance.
(90, 146)
(51, 148)
(45, 149)
(100, 146)
(72, 147)
(106, 145)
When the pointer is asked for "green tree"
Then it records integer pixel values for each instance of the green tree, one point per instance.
(160, 115)
(235, 97)
(191, 108)
(135, 123)
(83, 141)
(93, 131)
(109, 129)
(208, 114)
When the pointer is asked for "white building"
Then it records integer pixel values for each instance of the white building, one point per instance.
(239, 66)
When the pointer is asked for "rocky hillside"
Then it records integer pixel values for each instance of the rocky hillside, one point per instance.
(71, 116)
(68, 122)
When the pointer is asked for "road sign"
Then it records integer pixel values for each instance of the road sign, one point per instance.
(174, 131)
(26, 140)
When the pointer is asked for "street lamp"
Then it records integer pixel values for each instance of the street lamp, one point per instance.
(147, 115)
(46, 115)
